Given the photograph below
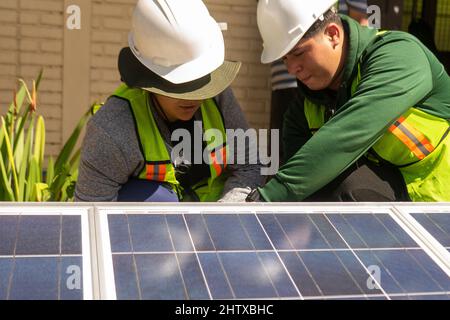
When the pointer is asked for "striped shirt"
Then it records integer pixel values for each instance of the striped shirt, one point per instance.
(358, 5)
(280, 77)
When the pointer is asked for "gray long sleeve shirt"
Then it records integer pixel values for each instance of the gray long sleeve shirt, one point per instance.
(111, 153)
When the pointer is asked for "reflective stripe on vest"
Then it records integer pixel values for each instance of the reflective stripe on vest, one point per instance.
(156, 171)
(412, 138)
(159, 166)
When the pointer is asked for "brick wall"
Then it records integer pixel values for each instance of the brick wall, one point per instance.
(32, 36)
(31, 39)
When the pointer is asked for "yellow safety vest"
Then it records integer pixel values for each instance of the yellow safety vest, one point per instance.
(159, 166)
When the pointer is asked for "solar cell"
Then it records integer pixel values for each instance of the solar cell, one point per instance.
(438, 224)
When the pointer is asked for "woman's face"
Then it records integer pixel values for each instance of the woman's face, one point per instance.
(178, 109)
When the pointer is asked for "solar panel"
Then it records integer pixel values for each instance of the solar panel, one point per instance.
(41, 254)
(252, 254)
(222, 251)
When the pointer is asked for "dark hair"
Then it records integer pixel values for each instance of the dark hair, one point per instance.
(328, 17)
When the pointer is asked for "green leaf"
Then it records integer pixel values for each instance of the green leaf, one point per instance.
(39, 143)
(7, 194)
(42, 192)
(50, 171)
(33, 179)
(11, 159)
(18, 148)
(14, 108)
(20, 130)
(39, 78)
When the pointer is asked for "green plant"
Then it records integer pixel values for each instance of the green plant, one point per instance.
(22, 147)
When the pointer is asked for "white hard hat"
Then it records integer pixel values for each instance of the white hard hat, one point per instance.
(282, 23)
(176, 39)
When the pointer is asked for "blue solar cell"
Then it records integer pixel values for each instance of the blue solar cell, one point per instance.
(247, 275)
(389, 284)
(275, 232)
(149, 233)
(442, 223)
(71, 280)
(442, 220)
(374, 234)
(159, 277)
(199, 233)
(71, 235)
(6, 265)
(406, 271)
(8, 234)
(227, 232)
(35, 279)
(330, 274)
(38, 235)
(119, 233)
(255, 232)
(431, 227)
(433, 270)
(215, 277)
(125, 277)
(300, 274)
(192, 276)
(277, 274)
(179, 234)
(399, 234)
(359, 273)
(301, 232)
(346, 231)
(331, 236)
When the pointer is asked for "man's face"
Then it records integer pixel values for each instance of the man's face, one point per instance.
(315, 61)
(177, 109)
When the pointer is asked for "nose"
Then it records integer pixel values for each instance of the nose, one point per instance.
(293, 66)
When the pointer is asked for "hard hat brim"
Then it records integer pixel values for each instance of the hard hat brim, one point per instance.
(135, 74)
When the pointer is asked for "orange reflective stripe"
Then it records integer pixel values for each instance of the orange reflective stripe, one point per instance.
(156, 172)
(162, 172)
(150, 171)
(412, 138)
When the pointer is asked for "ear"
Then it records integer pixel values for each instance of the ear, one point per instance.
(334, 34)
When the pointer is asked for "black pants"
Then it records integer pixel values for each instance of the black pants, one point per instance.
(364, 181)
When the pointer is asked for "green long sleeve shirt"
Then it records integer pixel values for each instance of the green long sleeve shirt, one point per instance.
(397, 73)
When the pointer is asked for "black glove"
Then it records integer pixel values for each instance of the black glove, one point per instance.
(254, 196)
